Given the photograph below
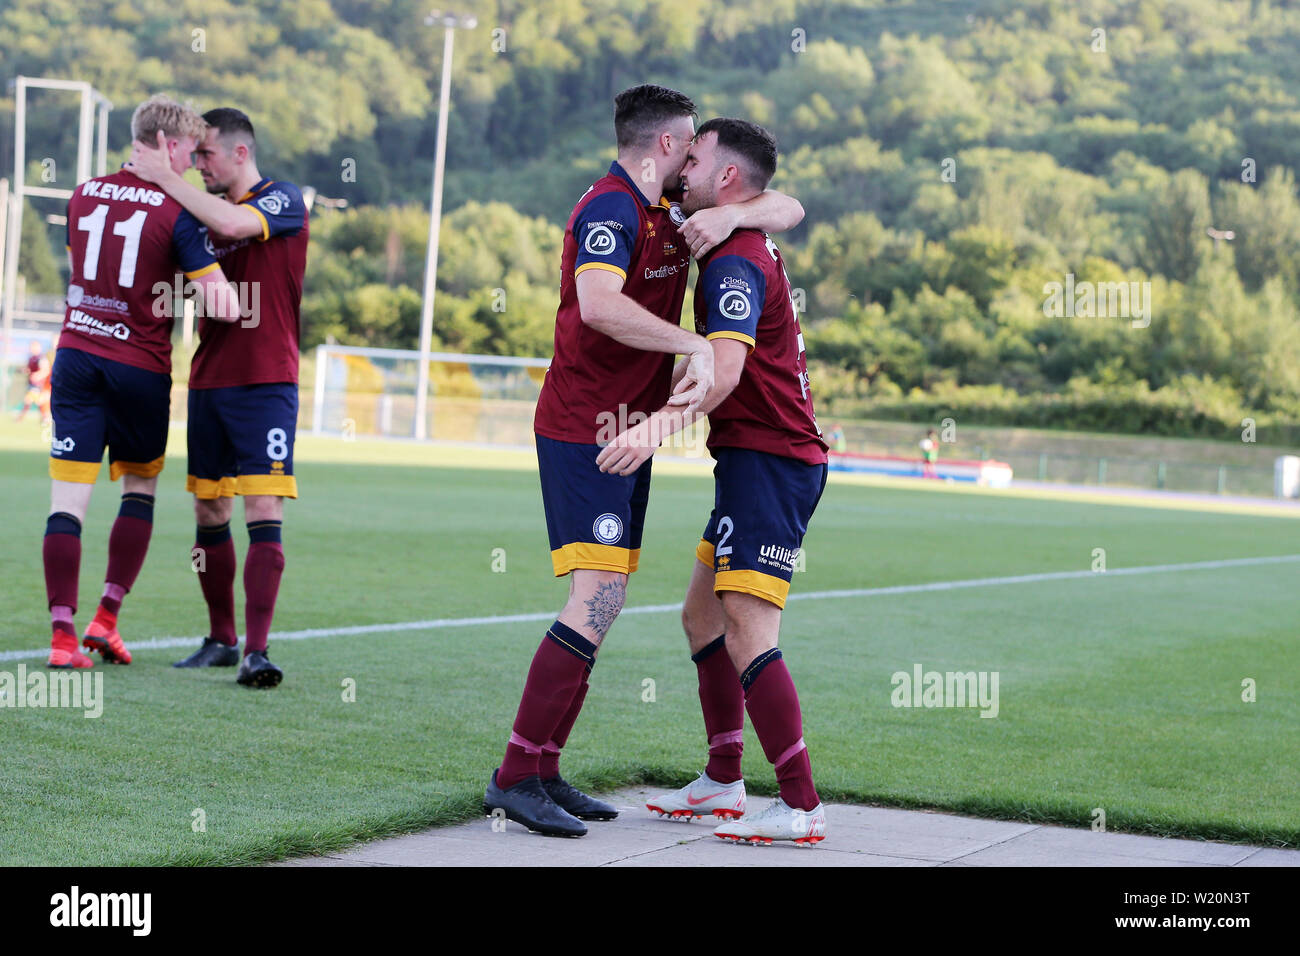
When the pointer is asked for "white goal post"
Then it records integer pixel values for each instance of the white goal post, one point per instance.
(473, 398)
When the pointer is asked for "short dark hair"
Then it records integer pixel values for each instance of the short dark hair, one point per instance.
(641, 112)
(226, 120)
(755, 146)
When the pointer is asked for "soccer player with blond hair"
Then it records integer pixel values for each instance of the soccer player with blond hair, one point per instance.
(111, 381)
(243, 400)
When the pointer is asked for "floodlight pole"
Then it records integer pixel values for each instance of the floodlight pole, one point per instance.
(450, 22)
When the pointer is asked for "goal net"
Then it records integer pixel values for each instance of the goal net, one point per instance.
(483, 399)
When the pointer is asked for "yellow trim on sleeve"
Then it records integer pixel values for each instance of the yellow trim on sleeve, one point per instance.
(771, 589)
(286, 486)
(82, 472)
(589, 556)
(606, 266)
(266, 228)
(199, 273)
(738, 336)
(141, 469)
(208, 489)
(704, 553)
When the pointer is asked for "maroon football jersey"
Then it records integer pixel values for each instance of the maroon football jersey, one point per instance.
(127, 240)
(594, 382)
(743, 293)
(267, 271)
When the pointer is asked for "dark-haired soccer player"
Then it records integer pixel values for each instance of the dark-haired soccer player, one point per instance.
(243, 404)
(623, 279)
(769, 476)
(111, 380)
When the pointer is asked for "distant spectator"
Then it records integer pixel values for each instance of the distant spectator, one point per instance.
(929, 455)
(38, 382)
(838, 441)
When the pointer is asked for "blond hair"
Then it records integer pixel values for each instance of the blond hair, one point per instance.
(160, 112)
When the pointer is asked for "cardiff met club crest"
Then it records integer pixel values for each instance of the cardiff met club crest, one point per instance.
(608, 529)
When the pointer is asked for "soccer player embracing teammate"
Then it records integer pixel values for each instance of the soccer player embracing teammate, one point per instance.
(111, 380)
(243, 400)
(623, 281)
(770, 473)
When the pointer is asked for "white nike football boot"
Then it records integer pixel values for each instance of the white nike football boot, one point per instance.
(700, 797)
(777, 821)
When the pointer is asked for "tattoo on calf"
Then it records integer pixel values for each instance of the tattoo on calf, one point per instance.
(605, 605)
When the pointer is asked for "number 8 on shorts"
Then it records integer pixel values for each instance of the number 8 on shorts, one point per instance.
(240, 440)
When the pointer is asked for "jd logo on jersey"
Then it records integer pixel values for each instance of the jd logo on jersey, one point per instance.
(600, 241)
(734, 305)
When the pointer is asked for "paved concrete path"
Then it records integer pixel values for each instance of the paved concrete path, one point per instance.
(856, 836)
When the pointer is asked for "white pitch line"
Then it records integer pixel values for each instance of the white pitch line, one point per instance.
(436, 623)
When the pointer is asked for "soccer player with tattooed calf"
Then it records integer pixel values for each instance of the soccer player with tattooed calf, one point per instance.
(626, 257)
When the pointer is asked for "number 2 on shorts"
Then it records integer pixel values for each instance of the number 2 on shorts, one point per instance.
(725, 527)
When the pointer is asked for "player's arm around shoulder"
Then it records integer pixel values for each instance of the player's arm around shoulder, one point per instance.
(234, 221)
(770, 211)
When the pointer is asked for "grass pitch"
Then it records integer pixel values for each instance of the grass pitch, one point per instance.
(1118, 692)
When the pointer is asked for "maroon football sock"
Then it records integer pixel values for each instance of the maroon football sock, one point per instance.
(773, 707)
(109, 605)
(262, 570)
(723, 701)
(65, 632)
(548, 765)
(214, 560)
(557, 672)
(128, 543)
(61, 553)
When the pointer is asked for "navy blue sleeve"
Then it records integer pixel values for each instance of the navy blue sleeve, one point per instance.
(191, 247)
(734, 289)
(606, 231)
(281, 209)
